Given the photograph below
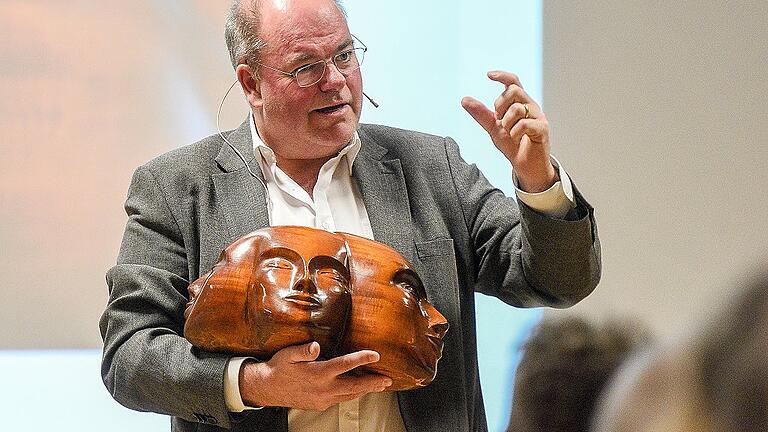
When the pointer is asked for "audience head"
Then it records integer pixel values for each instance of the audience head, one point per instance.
(565, 365)
(734, 362)
(655, 391)
(718, 381)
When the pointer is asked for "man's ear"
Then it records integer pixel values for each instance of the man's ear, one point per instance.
(251, 85)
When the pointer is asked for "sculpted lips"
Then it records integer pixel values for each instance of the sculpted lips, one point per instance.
(437, 342)
(304, 300)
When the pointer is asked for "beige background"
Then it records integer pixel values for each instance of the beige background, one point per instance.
(657, 108)
(661, 109)
(86, 99)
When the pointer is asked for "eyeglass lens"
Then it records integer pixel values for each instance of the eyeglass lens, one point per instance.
(346, 62)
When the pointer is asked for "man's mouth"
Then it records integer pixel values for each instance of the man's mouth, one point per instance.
(331, 109)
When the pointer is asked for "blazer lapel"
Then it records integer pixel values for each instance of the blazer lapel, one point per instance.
(241, 199)
(242, 204)
(382, 186)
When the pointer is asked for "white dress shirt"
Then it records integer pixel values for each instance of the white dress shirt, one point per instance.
(337, 205)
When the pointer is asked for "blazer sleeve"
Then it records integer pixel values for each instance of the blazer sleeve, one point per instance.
(523, 257)
(147, 364)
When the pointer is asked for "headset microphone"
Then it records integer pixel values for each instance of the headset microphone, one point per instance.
(373, 102)
(239, 154)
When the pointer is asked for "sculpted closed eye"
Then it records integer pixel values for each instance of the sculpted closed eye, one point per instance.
(410, 297)
(331, 274)
(405, 286)
(277, 264)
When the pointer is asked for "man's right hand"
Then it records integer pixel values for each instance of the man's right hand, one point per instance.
(293, 378)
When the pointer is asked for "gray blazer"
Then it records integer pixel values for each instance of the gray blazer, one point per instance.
(461, 234)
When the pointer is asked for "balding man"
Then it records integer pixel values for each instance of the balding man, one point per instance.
(310, 163)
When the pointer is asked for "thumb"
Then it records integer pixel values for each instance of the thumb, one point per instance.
(485, 117)
(298, 353)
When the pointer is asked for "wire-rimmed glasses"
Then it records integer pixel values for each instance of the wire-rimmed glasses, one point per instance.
(346, 62)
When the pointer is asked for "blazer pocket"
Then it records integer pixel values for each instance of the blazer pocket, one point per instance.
(437, 269)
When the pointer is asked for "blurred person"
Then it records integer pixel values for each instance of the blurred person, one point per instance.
(715, 380)
(566, 363)
(309, 162)
(659, 390)
(733, 358)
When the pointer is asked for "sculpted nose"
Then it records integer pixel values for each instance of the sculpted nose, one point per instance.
(304, 284)
(440, 328)
(437, 322)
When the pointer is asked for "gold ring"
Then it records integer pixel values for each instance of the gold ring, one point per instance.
(527, 111)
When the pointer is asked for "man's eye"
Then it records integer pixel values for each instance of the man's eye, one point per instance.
(308, 68)
(344, 57)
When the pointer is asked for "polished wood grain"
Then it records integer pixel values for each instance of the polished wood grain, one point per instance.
(272, 288)
(289, 285)
(391, 315)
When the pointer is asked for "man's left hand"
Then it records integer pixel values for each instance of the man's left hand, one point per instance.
(520, 130)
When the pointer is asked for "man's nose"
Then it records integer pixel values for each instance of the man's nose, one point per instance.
(333, 80)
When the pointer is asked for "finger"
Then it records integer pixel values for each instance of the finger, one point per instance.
(347, 362)
(367, 383)
(298, 353)
(512, 94)
(482, 115)
(506, 78)
(514, 113)
(536, 129)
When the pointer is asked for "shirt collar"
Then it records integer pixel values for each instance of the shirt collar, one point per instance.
(351, 150)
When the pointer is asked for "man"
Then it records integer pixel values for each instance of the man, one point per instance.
(295, 60)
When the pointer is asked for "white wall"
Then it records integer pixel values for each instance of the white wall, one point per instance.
(660, 110)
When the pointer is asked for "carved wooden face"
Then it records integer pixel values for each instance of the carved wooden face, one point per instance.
(391, 315)
(272, 288)
(300, 286)
(284, 286)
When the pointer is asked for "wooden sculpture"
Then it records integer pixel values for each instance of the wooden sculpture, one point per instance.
(392, 316)
(272, 288)
(290, 285)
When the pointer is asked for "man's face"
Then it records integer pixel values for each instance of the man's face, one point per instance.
(301, 288)
(310, 122)
(391, 315)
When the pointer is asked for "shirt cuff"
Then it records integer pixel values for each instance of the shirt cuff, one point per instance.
(232, 396)
(554, 202)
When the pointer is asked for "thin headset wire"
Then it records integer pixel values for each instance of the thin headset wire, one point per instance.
(240, 155)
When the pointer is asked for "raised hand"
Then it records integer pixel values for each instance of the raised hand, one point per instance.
(519, 129)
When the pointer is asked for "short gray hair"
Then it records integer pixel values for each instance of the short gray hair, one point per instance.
(241, 31)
